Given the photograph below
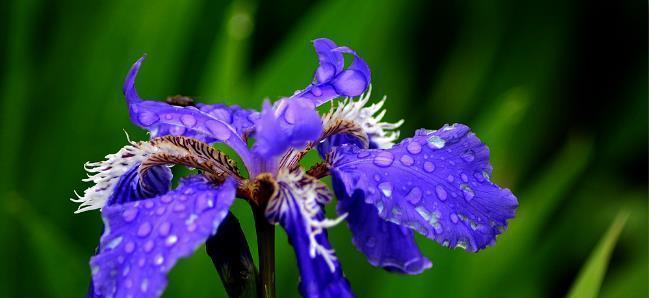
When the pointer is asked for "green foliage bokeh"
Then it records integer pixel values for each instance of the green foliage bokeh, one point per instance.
(572, 150)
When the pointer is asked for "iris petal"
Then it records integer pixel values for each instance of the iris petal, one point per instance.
(206, 123)
(436, 183)
(290, 123)
(331, 80)
(143, 240)
(296, 207)
(385, 244)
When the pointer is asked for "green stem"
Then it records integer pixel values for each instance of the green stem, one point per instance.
(266, 248)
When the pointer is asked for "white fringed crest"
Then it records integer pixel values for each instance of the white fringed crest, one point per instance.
(307, 194)
(382, 134)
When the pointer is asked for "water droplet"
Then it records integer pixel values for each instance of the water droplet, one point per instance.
(217, 129)
(406, 160)
(129, 247)
(423, 213)
(166, 199)
(464, 177)
(144, 286)
(363, 154)
(188, 120)
(454, 218)
(130, 214)
(148, 204)
(450, 178)
(147, 118)
(161, 210)
(164, 228)
(148, 246)
(159, 259)
(478, 176)
(429, 167)
(445, 243)
(441, 192)
(384, 159)
(386, 188)
(468, 192)
(438, 228)
(414, 147)
(126, 271)
(316, 91)
(414, 196)
(468, 155)
(203, 203)
(144, 229)
(114, 243)
(179, 207)
(436, 142)
(171, 240)
(377, 177)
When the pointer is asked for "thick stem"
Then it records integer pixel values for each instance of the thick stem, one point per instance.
(266, 248)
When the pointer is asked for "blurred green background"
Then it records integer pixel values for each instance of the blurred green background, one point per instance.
(557, 89)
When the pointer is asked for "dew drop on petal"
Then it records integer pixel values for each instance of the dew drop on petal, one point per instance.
(164, 228)
(144, 229)
(386, 188)
(171, 240)
(217, 129)
(468, 155)
(464, 177)
(406, 160)
(468, 192)
(179, 207)
(450, 178)
(147, 118)
(158, 259)
(371, 241)
(414, 147)
(377, 177)
(130, 214)
(203, 202)
(429, 167)
(436, 142)
(384, 159)
(188, 120)
(454, 218)
(441, 192)
(148, 246)
(363, 154)
(129, 247)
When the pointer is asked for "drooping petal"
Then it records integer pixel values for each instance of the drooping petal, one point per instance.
(385, 244)
(287, 124)
(436, 183)
(203, 123)
(331, 80)
(144, 239)
(379, 134)
(296, 207)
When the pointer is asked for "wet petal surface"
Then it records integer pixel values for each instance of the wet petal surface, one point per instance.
(436, 183)
(143, 240)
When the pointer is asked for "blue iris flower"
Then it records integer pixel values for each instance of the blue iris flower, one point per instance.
(436, 183)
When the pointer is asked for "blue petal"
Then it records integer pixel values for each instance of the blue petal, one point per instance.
(205, 123)
(385, 244)
(436, 183)
(131, 187)
(331, 80)
(320, 271)
(144, 239)
(290, 123)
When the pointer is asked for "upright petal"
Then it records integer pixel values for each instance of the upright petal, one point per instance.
(286, 124)
(385, 244)
(331, 80)
(203, 123)
(436, 183)
(143, 240)
(296, 207)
